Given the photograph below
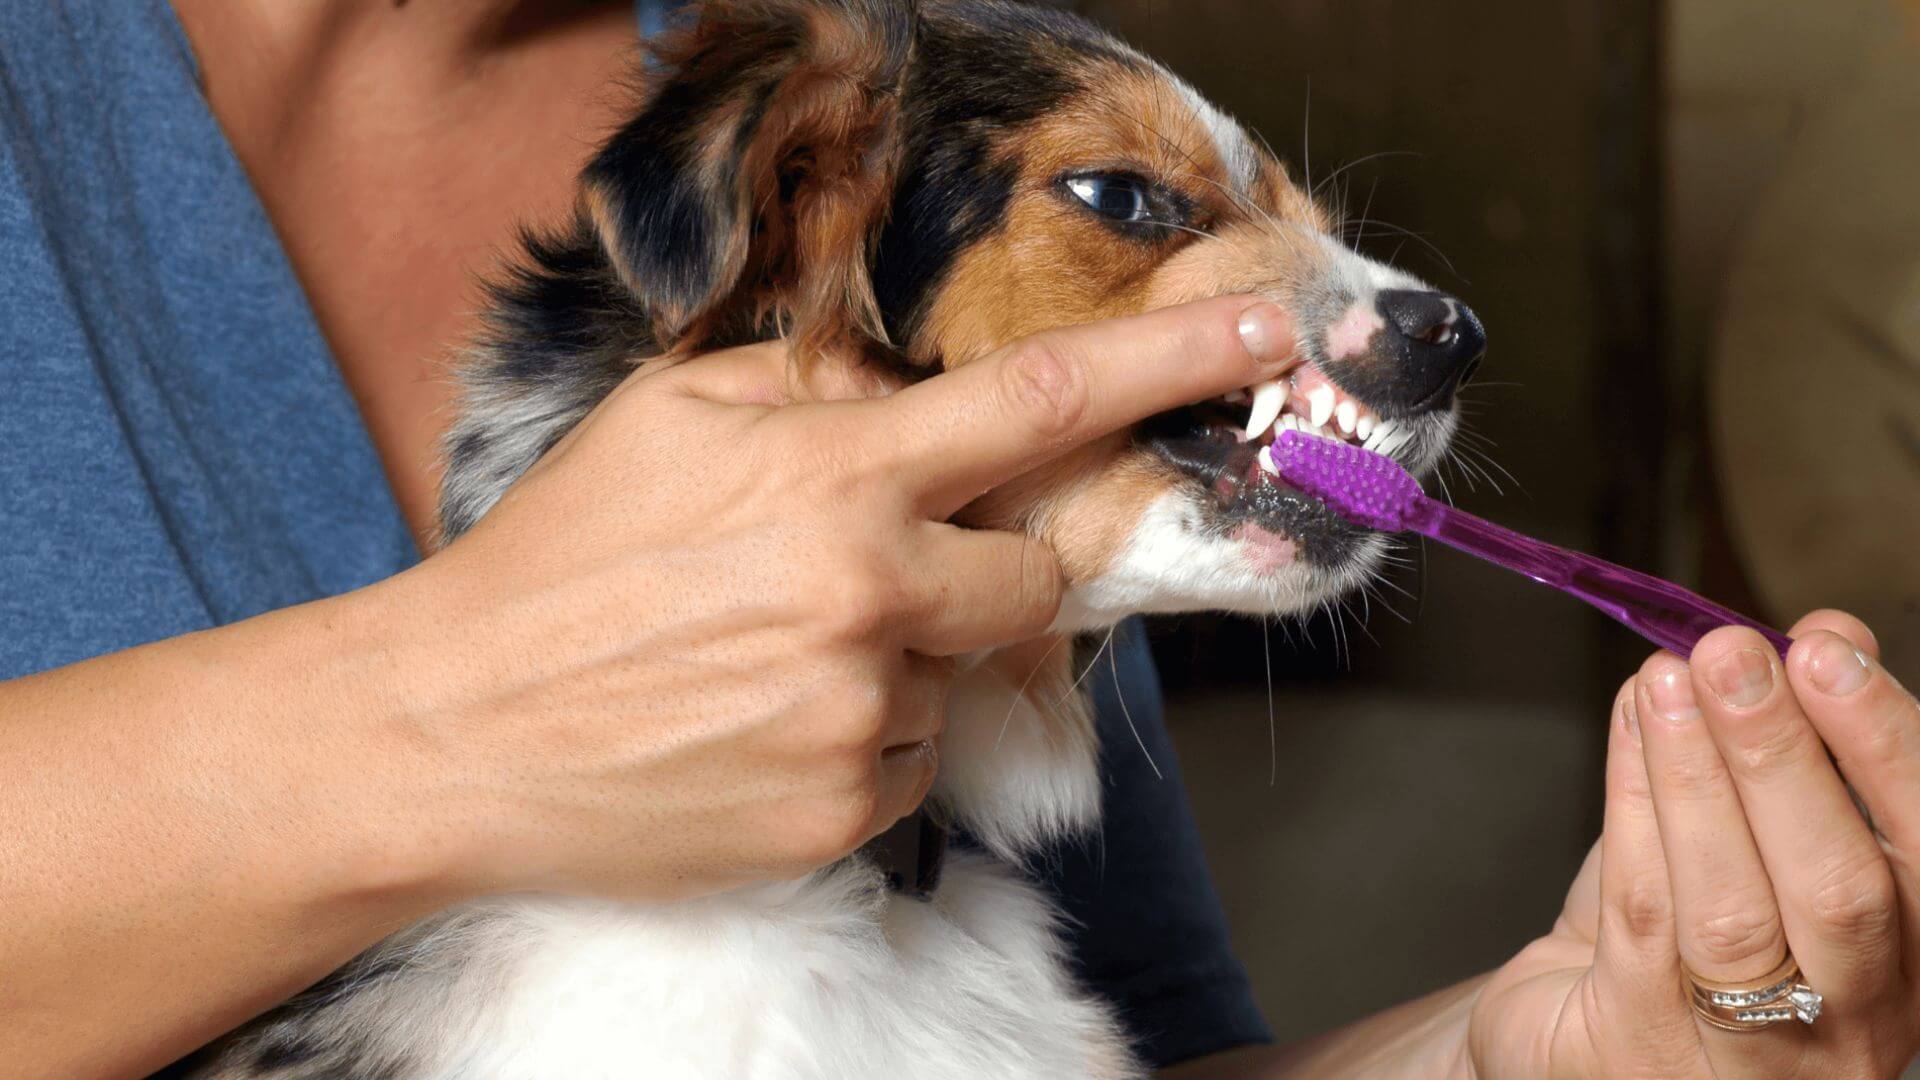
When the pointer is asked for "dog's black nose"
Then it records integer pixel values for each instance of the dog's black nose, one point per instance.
(1438, 339)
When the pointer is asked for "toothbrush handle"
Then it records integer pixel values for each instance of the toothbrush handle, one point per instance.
(1660, 611)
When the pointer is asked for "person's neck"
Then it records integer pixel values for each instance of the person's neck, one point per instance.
(396, 148)
(261, 58)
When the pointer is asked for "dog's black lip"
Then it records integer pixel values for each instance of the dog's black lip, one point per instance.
(1200, 443)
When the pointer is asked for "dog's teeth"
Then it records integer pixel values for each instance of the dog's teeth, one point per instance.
(1268, 397)
(1396, 439)
(1348, 414)
(1290, 421)
(1265, 458)
(1320, 402)
(1364, 427)
(1380, 436)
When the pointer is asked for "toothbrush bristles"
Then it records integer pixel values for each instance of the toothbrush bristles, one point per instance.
(1367, 488)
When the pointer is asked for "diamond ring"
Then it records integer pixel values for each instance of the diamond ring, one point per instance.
(1781, 994)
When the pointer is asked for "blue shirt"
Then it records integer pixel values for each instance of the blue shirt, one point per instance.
(178, 451)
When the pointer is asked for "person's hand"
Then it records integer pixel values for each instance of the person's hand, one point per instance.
(1730, 838)
(707, 639)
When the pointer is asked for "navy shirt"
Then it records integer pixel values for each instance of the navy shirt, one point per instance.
(178, 451)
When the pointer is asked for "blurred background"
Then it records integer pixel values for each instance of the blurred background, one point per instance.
(1692, 228)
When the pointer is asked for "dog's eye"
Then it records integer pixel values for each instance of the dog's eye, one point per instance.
(1114, 195)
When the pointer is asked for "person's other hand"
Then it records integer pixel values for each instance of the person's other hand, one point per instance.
(706, 640)
(1729, 839)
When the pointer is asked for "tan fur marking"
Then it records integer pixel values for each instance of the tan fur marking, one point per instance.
(1012, 285)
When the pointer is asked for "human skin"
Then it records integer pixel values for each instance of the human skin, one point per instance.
(1729, 838)
(655, 670)
(713, 680)
(213, 821)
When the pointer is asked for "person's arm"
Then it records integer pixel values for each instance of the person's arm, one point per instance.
(1424, 1038)
(197, 828)
(587, 693)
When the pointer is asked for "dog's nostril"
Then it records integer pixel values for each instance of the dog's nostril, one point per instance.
(1433, 319)
(1439, 343)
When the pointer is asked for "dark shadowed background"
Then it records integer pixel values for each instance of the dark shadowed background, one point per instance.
(1693, 233)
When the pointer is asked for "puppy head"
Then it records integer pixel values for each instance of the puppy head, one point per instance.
(909, 185)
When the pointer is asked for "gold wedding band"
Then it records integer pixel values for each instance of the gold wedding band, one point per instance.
(1781, 994)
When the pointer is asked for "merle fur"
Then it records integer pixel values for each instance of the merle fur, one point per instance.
(565, 327)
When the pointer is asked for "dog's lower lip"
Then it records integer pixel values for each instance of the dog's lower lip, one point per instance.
(1204, 443)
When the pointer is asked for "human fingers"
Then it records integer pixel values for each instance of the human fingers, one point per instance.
(1872, 725)
(958, 434)
(754, 374)
(983, 588)
(1727, 922)
(905, 776)
(765, 373)
(876, 755)
(1841, 623)
(1832, 883)
(1644, 1025)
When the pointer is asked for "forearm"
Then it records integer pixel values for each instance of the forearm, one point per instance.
(196, 829)
(1423, 1038)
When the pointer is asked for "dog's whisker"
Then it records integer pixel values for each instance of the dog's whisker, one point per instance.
(1104, 645)
(1361, 234)
(1273, 735)
(1014, 705)
(1356, 162)
(1120, 695)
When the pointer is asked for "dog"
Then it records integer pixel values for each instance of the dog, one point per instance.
(900, 186)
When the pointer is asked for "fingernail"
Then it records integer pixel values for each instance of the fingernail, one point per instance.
(1741, 679)
(1671, 692)
(1630, 720)
(1264, 330)
(1836, 667)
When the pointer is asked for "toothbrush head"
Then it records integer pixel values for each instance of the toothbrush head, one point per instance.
(1367, 488)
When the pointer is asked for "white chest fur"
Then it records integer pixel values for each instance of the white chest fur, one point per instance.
(829, 978)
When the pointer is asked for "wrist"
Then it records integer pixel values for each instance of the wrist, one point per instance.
(1458, 1030)
(1428, 1036)
(380, 780)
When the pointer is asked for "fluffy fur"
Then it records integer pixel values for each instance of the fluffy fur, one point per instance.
(899, 187)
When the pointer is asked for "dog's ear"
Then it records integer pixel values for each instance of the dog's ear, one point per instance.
(752, 185)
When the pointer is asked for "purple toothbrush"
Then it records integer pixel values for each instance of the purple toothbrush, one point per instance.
(1375, 491)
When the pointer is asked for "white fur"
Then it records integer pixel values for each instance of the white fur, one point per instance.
(1172, 562)
(1359, 277)
(828, 978)
(823, 979)
(1013, 777)
(1230, 140)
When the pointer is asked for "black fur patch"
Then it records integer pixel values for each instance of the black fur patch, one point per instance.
(981, 71)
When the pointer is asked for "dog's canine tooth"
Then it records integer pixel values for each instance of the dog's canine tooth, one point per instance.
(1320, 401)
(1268, 397)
